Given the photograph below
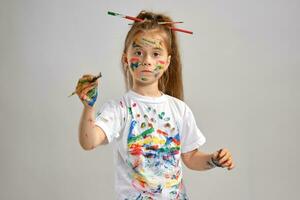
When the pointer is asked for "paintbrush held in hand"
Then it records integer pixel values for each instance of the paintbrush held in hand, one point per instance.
(93, 79)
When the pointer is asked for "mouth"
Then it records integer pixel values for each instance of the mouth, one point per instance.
(146, 71)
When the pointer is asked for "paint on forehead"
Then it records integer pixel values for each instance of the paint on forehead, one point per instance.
(146, 42)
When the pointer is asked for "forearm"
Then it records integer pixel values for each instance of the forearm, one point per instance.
(88, 136)
(199, 161)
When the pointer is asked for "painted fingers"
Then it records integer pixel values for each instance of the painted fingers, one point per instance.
(86, 89)
(223, 158)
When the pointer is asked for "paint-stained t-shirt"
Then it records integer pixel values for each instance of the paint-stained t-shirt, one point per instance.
(148, 135)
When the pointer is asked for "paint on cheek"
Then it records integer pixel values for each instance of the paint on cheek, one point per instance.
(135, 63)
(162, 62)
(159, 67)
(144, 79)
(134, 59)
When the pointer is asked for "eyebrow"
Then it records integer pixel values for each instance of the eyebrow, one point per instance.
(158, 48)
(135, 45)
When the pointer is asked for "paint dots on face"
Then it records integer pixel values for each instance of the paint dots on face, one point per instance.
(146, 116)
(121, 104)
(134, 105)
(138, 115)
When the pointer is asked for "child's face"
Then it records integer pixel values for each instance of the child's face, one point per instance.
(147, 57)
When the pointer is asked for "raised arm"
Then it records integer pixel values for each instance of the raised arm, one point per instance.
(90, 135)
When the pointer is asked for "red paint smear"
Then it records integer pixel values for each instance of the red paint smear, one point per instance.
(134, 59)
(154, 147)
(162, 132)
(162, 62)
(121, 103)
(176, 141)
(136, 149)
(134, 105)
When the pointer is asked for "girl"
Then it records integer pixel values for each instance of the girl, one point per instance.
(150, 127)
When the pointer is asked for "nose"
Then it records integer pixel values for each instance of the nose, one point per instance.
(146, 61)
(146, 64)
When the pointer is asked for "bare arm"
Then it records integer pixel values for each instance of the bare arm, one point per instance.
(90, 135)
(197, 160)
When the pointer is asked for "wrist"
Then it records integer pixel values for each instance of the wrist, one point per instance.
(87, 108)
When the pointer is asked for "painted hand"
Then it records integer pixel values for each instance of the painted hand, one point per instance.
(87, 90)
(223, 158)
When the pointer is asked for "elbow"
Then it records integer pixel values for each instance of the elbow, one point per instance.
(186, 163)
(86, 147)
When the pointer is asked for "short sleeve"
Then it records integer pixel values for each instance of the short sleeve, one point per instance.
(109, 119)
(191, 137)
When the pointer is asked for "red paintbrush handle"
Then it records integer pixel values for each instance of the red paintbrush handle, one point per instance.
(181, 30)
(134, 18)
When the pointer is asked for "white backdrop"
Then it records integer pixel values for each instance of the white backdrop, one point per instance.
(241, 79)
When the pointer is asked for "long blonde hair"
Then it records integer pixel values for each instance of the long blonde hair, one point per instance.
(171, 81)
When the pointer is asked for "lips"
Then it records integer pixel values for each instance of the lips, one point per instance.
(146, 71)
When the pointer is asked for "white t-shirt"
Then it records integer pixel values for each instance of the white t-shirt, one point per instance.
(148, 135)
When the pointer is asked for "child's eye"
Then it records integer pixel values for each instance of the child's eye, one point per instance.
(156, 54)
(138, 53)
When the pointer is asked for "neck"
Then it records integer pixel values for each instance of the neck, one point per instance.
(150, 90)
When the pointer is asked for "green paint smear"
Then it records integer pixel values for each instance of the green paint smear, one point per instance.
(144, 79)
(130, 110)
(158, 67)
(161, 115)
(140, 136)
(168, 150)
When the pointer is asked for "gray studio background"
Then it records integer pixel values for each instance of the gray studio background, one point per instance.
(241, 79)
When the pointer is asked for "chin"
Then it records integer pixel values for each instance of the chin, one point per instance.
(146, 80)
